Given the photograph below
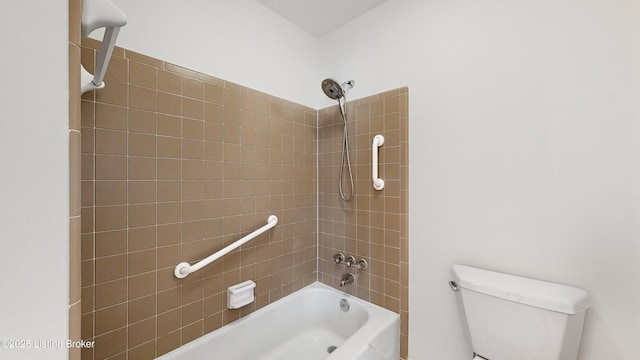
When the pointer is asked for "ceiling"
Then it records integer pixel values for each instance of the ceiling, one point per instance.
(320, 17)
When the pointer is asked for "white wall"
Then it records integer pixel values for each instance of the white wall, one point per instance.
(524, 150)
(523, 141)
(239, 41)
(34, 153)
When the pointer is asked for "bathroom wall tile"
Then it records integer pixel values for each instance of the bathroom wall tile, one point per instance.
(192, 331)
(169, 125)
(110, 318)
(75, 331)
(110, 142)
(142, 144)
(154, 207)
(141, 191)
(208, 79)
(146, 351)
(110, 344)
(110, 293)
(232, 98)
(192, 129)
(141, 332)
(74, 173)
(110, 192)
(75, 17)
(169, 104)
(169, 191)
(213, 93)
(192, 108)
(169, 321)
(109, 117)
(141, 238)
(75, 258)
(192, 190)
(141, 285)
(169, 212)
(117, 70)
(192, 149)
(213, 132)
(141, 215)
(114, 94)
(110, 243)
(192, 88)
(169, 82)
(213, 112)
(141, 261)
(169, 147)
(167, 342)
(142, 74)
(169, 234)
(192, 170)
(169, 256)
(180, 70)
(110, 218)
(110, 268)
(142, 98)
(142, 168)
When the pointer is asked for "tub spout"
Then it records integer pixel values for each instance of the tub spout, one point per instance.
(347, 279)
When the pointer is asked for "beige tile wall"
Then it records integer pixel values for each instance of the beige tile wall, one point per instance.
(175, 165)
(374, 225)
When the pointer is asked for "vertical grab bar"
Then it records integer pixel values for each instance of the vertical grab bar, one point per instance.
(378, 183)
(184, 268)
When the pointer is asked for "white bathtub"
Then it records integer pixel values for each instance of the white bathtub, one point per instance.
(303, 325)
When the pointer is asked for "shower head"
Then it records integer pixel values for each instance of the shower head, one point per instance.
(332, 89)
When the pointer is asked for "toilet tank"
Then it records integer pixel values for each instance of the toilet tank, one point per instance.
(516, 318)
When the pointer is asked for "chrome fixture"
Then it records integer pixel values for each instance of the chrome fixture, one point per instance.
(347, 279)
(351, 260)
(337, 92)
(361, 264)
(454, 286)
(344, 305)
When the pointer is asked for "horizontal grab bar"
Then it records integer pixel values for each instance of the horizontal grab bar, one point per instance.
(184, 268)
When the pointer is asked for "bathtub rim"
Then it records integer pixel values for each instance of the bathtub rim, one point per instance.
(379, 319)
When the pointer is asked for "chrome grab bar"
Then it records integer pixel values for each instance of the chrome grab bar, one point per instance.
(184, 268)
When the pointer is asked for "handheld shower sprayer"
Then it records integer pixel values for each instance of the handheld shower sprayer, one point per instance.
(337, 91)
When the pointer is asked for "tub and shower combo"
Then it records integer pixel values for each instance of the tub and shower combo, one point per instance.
(314, 323)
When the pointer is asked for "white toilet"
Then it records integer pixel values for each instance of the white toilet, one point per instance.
(515, 318)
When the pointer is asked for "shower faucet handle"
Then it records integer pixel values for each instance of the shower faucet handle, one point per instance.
(338, 258)
(359, 265)
(351, 261)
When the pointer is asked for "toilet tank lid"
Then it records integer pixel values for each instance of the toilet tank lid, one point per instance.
(543, 294)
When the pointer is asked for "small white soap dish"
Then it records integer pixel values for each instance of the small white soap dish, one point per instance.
(240, 295)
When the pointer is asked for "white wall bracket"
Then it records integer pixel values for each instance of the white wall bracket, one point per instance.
(100, 14)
